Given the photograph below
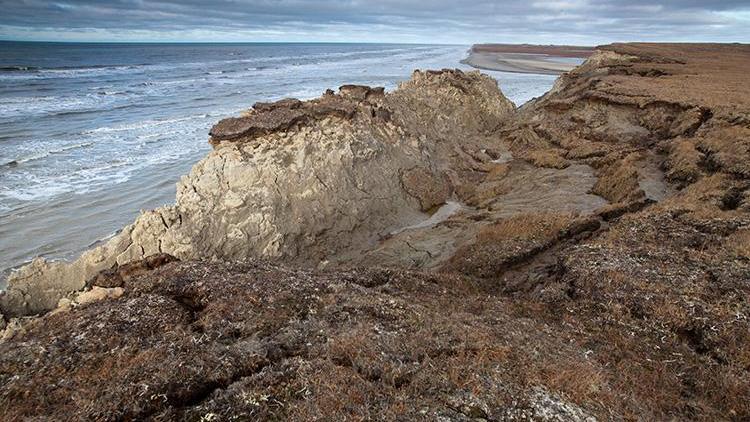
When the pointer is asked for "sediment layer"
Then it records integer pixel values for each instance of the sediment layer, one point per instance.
(427, 253)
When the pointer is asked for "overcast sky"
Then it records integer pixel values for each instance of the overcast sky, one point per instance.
(413, 21)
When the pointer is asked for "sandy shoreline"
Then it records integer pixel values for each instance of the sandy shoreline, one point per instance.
(547, 60)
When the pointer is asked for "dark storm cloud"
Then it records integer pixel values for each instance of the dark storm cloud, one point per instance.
(385, 20)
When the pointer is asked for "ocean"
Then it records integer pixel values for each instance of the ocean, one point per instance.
(92, 133)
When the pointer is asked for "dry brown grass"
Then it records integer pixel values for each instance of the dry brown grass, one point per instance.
(525, 227)
(579, 381)
(497, 171)
(549, 158)
(739, 243)
(683, 161)
(500, 245)
(618, 182)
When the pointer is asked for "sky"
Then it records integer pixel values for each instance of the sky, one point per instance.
(581, 22)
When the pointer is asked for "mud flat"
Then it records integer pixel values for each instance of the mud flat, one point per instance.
(428, 253)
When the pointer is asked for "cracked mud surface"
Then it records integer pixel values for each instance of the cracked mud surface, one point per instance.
(599, 267)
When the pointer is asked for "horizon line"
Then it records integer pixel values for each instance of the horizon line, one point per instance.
(229, 42)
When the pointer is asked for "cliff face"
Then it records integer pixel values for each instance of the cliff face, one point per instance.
(588, 259)
(302, 182)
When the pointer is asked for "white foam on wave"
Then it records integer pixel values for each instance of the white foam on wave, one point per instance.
(316, 56)
(146, 124)
(343, 68)
(117, 155)
(173, 82)
(24, 106)
(79, 72)
(112, 92)
(41, 190)
(98, 71)
(108, 96)
(47, 153)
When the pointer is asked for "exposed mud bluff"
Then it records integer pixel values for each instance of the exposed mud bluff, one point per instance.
(301, 182)
(594, 262)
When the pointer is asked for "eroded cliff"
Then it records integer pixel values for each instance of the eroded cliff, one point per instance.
(588, 258)
(302, 182)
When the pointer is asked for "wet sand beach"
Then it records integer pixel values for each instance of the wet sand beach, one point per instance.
(524, 58)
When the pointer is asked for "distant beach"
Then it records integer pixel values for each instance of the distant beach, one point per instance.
(524, 58)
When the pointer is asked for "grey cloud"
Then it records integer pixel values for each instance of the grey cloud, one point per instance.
(386, 20)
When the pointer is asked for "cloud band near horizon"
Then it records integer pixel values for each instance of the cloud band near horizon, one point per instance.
(440, 21)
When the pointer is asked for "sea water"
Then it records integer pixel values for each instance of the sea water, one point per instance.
(92, 133)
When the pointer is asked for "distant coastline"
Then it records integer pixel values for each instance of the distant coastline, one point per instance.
(526, 58)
